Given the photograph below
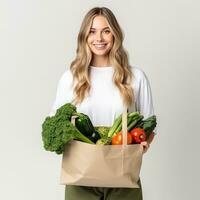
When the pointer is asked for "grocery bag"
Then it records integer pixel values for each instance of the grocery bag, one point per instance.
(95, 165)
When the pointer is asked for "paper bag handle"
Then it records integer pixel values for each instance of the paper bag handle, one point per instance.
(124, 127)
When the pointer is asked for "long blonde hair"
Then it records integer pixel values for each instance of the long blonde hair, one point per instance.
(118, 58)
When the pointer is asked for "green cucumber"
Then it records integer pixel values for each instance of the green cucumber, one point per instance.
(85, 126)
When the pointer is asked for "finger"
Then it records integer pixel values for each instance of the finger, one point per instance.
(144, 143)
(145, 148)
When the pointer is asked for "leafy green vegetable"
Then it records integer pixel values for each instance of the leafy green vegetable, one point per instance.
(58, 129)
(66, 111)
(103, 130)
(104, 140)
(148, 125)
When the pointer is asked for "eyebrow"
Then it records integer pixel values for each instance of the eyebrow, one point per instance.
(102, 29)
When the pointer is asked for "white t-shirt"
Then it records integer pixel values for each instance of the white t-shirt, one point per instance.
(104, 102)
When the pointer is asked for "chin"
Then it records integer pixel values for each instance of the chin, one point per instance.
(100, 53)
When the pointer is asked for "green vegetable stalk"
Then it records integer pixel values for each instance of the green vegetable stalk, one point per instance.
(117, 123)
(132, 119)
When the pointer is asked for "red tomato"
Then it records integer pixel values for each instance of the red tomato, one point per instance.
(138, 135)
(117, 139)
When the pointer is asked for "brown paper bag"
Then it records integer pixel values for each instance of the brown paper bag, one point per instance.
(102, 165)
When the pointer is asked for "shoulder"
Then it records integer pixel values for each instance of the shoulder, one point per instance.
(65, 82)
(66, 74)
(138, 73)
(66, 77)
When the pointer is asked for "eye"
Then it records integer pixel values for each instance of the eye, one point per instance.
(92, 32)
(107, 31)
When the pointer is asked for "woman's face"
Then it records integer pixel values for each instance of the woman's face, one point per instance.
(100, 38)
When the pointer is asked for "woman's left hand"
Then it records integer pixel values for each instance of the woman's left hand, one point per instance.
(146, 146)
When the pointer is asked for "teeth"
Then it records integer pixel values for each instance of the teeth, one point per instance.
(100, 45)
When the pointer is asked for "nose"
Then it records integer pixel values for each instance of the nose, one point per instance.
(99, 36)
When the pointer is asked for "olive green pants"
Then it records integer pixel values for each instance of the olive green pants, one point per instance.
(102, 193)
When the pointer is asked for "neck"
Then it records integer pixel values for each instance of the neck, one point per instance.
(100, 61)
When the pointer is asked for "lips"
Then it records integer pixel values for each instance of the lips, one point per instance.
(100, 46)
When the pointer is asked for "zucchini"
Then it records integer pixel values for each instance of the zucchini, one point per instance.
(85, 126)
(95, 136)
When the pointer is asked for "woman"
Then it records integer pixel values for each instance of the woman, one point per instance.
(99, 82)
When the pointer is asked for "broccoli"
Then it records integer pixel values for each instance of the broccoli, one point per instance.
(57, 130)
(66, 111)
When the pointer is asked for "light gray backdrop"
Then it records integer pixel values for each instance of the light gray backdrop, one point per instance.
(38, 42)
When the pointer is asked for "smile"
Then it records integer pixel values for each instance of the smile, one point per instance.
(100, 46)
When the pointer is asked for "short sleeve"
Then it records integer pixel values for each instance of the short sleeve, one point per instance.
(144, 99)
(63, 92)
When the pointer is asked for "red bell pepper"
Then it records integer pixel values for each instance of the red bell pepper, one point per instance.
(138, 135)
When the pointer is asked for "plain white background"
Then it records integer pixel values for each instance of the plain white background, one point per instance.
(38, 42)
